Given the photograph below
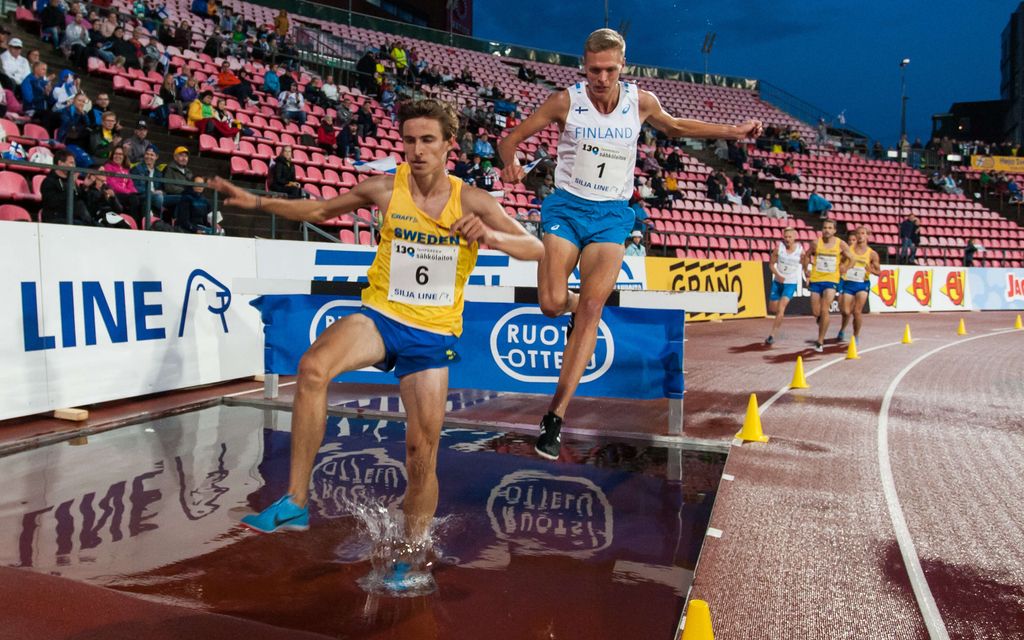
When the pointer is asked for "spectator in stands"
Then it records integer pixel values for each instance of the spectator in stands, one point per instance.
(52, 23)
(973, 246)
(105, 139)
(910, 238)
(168, 99)
(148, 169)
(789, 172)
(122, 48)
(447, 78)
(227, 20)
(135, 147)
(487, 178)
(262, 49)
(281, 24)
(35, 93)
(462, 167)
(15, 66)
(188, 94)
(192, 213)
(101, 200)
(1012, 188)
(348, 141)
(364, 118)
(635, 246)
(737, 154)
(330, 91)
(344, 112)
(466, 78)
(204, 115)
(818, 204)
(215, 46)
(546, 187)
(483, 148)
(387, 99)
(228, 83)
(771, 206)
(53, 191)
(74, 125)
(293, 106)
(949, 185)
(314, 93)
(366, 67)
(526, 74)
(673, 161)
(645, 190)
(64, 91)
(327, 135)
(76, 40)
(715, 188)
(282, 176)
(122, 183)
(822, 132)
(96, 110)
(271, 81)
(176, 170)
(400, 58)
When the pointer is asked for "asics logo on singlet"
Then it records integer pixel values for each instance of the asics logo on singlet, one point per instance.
(556, 227)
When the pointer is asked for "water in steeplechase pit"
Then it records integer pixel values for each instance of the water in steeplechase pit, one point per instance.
(601, 544)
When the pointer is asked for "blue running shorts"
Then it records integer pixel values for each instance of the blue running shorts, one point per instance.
(781, 290)
(853, 288)
(819, 287)
(583, 222)
(410, 349)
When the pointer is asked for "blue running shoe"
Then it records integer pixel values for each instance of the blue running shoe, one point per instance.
(397, 577)
(841, 337)
(283, 515)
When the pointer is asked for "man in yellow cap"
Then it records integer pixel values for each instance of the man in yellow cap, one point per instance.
(177, 169)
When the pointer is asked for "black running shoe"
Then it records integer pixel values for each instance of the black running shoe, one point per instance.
(549, 443)
(571, 326)
(769, 341)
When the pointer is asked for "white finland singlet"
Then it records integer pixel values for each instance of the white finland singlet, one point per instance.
(789, 264)
(597, 152)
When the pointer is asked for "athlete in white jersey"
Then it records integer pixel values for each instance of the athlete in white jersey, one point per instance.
(587, 218)
(787, 269)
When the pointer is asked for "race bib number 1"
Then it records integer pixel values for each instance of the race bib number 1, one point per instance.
(423, 274)
(600, 168)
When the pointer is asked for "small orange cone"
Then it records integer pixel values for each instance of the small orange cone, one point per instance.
(961, 330)
(698, 622)
(799, 381)
(906, 335)
(851, 351)
(1017, 324)
(751, 431)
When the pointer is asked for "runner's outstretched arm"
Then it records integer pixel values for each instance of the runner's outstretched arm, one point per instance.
(552, 110)
(485, 221)
(366, 193)
(673, 127)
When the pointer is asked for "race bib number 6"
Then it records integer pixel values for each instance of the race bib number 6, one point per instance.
(423, 274)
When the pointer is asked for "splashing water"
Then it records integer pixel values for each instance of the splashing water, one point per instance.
(400, 565)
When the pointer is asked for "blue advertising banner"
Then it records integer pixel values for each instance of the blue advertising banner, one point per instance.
(992, 289)
(506, 347)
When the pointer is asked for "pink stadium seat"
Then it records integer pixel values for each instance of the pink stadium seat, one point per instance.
(347, 236)
(14, 187)
(15, 213)
(240, 166)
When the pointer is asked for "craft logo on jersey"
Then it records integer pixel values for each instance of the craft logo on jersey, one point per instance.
(888, 286)
(1014, 287)
(528, 347)
(545, 513)
(343, 478)
(921, 287)
(954, 288)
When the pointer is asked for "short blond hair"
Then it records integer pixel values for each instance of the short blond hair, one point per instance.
(603, 40)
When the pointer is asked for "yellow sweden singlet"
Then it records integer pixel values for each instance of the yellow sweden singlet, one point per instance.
(421, 268)
(858, 271)
(826, 264)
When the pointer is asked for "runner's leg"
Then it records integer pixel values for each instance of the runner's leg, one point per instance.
(858, 312)
(780, 313)
(827, 297)
(600, 263)
(423, 394)
(351, 343)
(553, 271)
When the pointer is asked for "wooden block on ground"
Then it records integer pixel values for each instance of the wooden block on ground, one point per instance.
(259, 377)
(75, 415)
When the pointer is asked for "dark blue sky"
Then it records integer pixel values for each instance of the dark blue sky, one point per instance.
(834, 54)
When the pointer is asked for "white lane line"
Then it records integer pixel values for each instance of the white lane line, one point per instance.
(781, 392)
(923, 594)
(242, 393)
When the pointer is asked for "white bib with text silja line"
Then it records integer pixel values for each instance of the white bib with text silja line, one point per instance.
(600, 168)
(787, 268)
(825, 264)
(423, 274)
(854, 274)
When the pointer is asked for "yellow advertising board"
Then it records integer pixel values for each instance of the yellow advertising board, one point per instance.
(682, 274)
(1010, 164)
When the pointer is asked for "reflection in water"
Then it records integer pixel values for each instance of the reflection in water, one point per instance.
(530, 548)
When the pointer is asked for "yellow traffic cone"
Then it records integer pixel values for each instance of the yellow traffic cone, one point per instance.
(851, 351)
(751, 431)
(1017, 324)
(799, 381)
(961, 330)
(698, 622)
(906, 335)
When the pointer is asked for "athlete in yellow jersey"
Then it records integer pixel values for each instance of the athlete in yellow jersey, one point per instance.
(855, 284)
(844, 315)
(823, 258)
(412, 311)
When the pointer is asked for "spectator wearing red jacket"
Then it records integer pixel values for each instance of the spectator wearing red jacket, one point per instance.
(327, 135)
